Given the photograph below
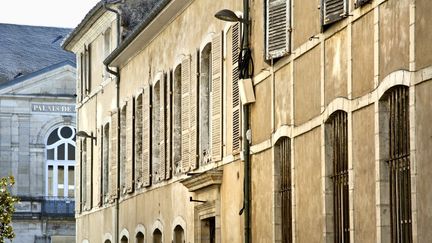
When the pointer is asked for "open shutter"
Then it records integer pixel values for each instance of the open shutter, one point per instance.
(130, 116)
(162, 129)
(185, 106)
(360, 3)
(146, 143)
(278, 29)
(169, 96)
(78, 178)
(89, 71)
(113, 155)
(193, 113)
(216, 99)
(138, 140)
(334, 10)
(101, 176)
(235, 87)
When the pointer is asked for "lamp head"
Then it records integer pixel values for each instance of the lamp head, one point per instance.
(230, 16)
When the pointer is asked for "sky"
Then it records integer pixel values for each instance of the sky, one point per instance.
(54, 13)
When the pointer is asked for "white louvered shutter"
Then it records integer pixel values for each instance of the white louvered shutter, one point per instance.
(113, 155)
(162, 129)
(130, 116)
(138, 140)
(169, 98)
(278, 28)
(146, 143)
(193, 112)
(185, 106)
(99, 201)
(216, 99)
(235, 88)
(78, 167)
(334, 10)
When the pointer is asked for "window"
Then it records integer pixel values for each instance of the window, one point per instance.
(139, 238)
(178, 234)
(124, 239)
(337, 170)
(176, 120)
(83, 169)
(360, 3)
(398, 162)
(208, 230)
(105, 161)
(283, 156)
(60, 163)
(278, 28)
(138, 140)
(204, 95)
(157, 236)
(107, 48)
(155, 137)
(333, 10)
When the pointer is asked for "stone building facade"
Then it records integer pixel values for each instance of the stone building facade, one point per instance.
(339, 131)
(37, 139)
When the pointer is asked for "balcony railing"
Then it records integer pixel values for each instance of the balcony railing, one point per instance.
(37, 207)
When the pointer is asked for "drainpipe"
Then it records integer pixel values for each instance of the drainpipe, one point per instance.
(117, 87)
(246, 132)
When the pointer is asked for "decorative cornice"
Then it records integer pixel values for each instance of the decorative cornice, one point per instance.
(200, 181)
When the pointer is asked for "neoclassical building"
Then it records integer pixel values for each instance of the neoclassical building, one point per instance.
(301, 121)
(37, 138)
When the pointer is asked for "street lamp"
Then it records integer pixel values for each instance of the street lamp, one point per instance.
(86, 135)
(230, 16)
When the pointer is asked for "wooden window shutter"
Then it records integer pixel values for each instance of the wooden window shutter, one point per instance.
(89, 177)
(81, 81)
(162, 129)
(185, 105)
(360, 3)
(235, 87)
(278, 28)
(101, 177)
(138, 140)
(216, 99)
(89, 50)
(130, 117)
(334, 10)
(113, 156)
(78, 179)
(193, 113)
(169, 118)
(146, 143)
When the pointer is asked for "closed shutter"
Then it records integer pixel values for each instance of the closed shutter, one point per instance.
(162, 129)
(89, 71)
(216, 99)
(113, 156)
(235, 87)
(138, 140)
(89, 174)
(81, 78)
(169, 116)
(146, 143)
(185, 106)
(193, 113)
(130, 116)
(334, 10)
(101, 176)
(360, 3)
(78, 179)
(278, 29)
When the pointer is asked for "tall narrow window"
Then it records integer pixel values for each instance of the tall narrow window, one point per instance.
(107, 48)
(124, 239)
(176, 120)
(155, 114)
(283, 156)
(138, 140)
(157, 236)
(178, 235)
(139, 237)
(60, 164)
(204, 105)
(337, 140)
(122, 148)
(105, 161)
(398, 162)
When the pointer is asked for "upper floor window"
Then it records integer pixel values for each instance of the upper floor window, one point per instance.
(60, 163)
(176, 119)
(105, 161)
(334, 10)
(278, 28)
(107, 48)
(204, 96)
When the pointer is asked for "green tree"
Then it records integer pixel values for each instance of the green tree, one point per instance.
(7, 208)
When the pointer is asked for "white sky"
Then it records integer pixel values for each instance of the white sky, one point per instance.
(55, 13)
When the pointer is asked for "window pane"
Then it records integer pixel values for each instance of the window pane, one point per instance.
(61, 152)
(50, 154)
(53, 137)
(71, 152)
(71, 181)
(50, 180)
(60, 181)
(66, 132)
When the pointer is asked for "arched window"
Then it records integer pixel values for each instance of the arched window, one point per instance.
(139, 237)
(157, 236)
(204, 104)
(60, 162)
(176, 120)
(178, 234)
(124, 239)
